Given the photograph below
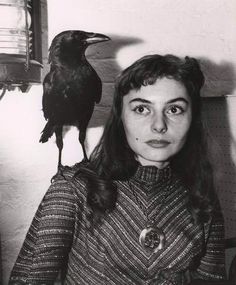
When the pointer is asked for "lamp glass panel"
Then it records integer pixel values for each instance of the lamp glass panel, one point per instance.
(13, 37)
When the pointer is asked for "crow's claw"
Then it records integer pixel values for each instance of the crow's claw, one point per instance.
(60, 172)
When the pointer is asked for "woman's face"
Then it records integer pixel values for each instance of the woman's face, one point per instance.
(156, 121)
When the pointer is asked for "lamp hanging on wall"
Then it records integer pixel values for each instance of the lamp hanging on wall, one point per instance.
(20, 44)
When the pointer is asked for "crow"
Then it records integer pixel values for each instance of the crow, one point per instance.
(71, 87)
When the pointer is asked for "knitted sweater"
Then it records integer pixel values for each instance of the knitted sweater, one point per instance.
(59, 236)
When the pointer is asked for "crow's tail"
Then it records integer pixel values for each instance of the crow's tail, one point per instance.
(47, 132)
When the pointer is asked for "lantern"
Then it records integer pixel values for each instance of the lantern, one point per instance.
(20, 44)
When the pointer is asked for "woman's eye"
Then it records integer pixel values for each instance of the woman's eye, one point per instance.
(175, 110)
(141, 110)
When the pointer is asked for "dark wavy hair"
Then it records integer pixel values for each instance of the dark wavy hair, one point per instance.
(113, 159)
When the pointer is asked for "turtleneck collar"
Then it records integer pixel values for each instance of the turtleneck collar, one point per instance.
(152, 174)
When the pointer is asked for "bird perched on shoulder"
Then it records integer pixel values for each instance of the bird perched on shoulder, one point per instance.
(71, 88)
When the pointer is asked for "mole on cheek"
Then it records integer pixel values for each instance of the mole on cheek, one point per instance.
(136, 139)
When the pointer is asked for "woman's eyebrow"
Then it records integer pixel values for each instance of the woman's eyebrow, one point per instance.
(168, 102)
(140, 100)
(178, 99)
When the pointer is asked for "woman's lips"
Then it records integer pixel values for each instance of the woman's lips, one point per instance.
(158, 143)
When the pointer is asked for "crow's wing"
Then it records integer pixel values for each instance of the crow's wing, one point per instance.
(97, 85)
(55, 99)
(69, 95)
(47, 90)
(89, 81)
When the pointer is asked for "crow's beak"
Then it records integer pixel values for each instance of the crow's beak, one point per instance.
(93, 38)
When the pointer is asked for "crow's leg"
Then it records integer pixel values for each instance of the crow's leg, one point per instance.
(59, 142)
(82, 136)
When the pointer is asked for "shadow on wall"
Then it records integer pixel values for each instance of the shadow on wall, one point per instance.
(103, 59)
(220, 79)
(218, 120)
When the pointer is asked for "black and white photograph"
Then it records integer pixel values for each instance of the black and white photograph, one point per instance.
(117, 142)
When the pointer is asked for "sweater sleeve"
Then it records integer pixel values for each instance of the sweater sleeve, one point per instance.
(48, 241)
(212, 263)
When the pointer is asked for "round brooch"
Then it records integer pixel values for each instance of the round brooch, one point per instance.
(152, 238)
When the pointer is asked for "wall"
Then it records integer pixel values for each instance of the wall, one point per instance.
(203, 29)
(219, 119)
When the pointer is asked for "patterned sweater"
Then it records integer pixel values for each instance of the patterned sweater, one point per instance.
(60, 237)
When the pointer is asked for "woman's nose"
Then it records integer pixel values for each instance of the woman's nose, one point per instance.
(159, 124)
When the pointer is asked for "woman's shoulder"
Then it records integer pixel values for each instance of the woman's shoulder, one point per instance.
(68, 173)
(69, 180)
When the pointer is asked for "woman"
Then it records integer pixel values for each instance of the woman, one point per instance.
(143, 210)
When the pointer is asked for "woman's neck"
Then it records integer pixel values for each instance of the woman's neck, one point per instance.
(158, 164)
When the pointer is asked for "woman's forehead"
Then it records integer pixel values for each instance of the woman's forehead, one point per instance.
(164, 90)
